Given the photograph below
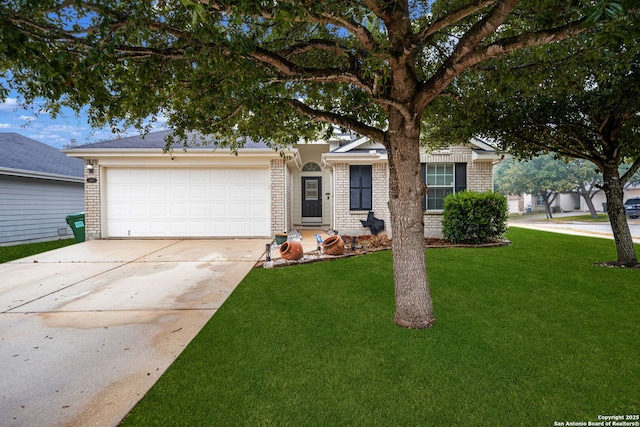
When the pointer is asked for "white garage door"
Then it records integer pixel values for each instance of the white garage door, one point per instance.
(171, 202)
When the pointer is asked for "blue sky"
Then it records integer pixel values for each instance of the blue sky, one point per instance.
(56, 132)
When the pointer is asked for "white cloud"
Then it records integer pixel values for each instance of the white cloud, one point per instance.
(27, 118)
(9, 104)
(5, 126)
(74, 130)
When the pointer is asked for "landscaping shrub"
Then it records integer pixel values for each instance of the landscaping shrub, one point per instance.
(471, 217)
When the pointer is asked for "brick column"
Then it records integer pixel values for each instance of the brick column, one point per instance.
(279, 195)
(92, 202)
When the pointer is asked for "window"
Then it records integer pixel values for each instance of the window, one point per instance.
(442, 180)
(360, 185)
(311, 167)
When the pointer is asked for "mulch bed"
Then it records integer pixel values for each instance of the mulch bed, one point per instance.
(367, 244)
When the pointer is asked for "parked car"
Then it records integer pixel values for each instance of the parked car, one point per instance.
(632, 206)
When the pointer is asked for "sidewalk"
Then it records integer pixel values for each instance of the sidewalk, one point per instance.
(567, 226)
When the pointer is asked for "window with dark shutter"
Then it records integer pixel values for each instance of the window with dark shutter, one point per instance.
(442, 180)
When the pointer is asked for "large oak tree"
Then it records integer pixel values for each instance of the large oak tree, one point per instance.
(278, 71)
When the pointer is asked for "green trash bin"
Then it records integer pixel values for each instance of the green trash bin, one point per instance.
(76, 222)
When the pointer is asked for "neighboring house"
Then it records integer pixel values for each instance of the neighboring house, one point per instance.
(39, 187)
(565, 202)
(140, 191)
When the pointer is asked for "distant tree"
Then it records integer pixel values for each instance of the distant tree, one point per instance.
(542, 176)
(587, 180)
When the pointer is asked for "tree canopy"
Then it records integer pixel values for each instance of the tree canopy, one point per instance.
(237, 67)
(579, 99)
(279, 71)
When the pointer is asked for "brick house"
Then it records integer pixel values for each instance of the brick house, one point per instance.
(134, 189)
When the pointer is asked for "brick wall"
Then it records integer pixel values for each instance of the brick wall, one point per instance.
(479, 178)
(347, 221)
(92, 206)
(280, 195)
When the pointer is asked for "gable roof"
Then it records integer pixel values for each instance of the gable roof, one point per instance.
(156, 140)
(22, 156)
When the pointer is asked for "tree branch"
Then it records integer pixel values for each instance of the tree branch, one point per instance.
(511, 44)
(451, 18)
(337, 119)
(363, 35)
(291, 70)
(635, 166)
(315, 44)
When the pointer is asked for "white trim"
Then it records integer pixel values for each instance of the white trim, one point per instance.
(485, 157)
(481, 144)
(41, 175)
(357, 143)
(354, 158)
(352, 145)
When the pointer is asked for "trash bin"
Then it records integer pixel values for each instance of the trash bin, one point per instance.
(604, 207)
(76, 222)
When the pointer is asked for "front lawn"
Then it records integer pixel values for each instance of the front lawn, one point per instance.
(10, 253)
(602, 217)
(526, 335)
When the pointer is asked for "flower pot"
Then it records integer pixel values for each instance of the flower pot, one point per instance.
(333, 245)
(291, 250)
(281, 238)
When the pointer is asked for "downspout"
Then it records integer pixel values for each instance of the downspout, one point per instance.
(292, 157)
(287, 192)
(493, 178)
(326, 164)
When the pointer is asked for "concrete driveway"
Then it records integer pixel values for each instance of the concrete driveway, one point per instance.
(86, 330)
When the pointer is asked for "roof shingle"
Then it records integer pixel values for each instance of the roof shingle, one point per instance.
(22, 153)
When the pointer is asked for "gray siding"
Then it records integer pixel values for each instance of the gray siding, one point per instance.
(34, 209)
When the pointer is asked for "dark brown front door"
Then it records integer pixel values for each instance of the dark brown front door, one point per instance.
(312, 199)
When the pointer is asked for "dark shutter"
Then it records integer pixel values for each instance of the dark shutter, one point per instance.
(360, 187)
(423, 172)
(460, 177)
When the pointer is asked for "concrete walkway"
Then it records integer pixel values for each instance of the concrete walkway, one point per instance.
(86, 330)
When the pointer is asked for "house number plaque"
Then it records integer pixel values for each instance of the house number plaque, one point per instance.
(92, 180)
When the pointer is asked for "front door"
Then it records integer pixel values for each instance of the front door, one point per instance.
(312, 200)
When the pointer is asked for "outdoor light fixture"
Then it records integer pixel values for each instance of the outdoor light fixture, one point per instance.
(90, 168)
(353, 243)
(267, 256)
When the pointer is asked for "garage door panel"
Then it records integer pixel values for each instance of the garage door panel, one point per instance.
(161, 210)
(199, 191)
(179, 211)
(199, 210)
(174, 202)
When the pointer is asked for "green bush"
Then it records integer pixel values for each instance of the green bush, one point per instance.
(471, 217)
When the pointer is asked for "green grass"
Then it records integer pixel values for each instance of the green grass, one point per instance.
(525, 335)
(10, 253)
(603, 217)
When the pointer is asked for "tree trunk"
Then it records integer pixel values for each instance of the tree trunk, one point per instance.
(547, 204)
(588, 198)
(614, 191)
(414, 308)
(592, 209)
